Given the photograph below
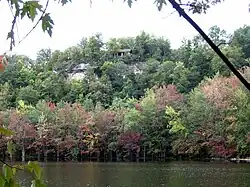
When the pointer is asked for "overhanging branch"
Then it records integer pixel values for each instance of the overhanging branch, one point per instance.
(210, 42)
(223, 43)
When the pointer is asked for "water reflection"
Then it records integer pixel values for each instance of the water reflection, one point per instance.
(173, 174)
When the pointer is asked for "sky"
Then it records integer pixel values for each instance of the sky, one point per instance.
(115, 19)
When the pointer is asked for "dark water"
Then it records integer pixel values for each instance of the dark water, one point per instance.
(172, 174)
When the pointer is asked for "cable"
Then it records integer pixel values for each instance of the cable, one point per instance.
(169, 15)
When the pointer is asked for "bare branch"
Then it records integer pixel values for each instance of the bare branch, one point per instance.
(38, 21)
(13, 18)
(3, 162)
(223, 43)
(11, 34)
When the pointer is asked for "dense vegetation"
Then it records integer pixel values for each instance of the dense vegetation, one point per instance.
(149, 100)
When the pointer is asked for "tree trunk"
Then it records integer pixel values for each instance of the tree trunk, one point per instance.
(23, 153)
(137, 156)
(38, 156)
(98, 156)
(57, 156)
(117, 156)
(45, 155)
(144, 154)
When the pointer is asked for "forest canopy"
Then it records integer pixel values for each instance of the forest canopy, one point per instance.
(128, 95)
(37, 13)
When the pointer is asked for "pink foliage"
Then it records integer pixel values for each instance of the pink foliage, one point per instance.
(67, 143)
(138, 107)
(84, 152)
(130, 141)
(248, 138)
(167, 95)
(104, 120)
(85, 128)
(199, 133)
(220, 91)
(51, 106)
(21, 126)
(221, 149)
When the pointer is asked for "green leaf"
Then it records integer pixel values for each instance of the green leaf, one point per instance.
(14, 171)
(21, 167)
(30, 9)
(34, 167)
(47, 24)
(24, 12)
(21, 103)
(7, 172)
(12, 183)
(129, 2)
(37, 183)
(10, 35)
(2, 180)
(6, 132)
(32, 13)
(160, 3)
(63, 2)
(10, 147)
(33, 7)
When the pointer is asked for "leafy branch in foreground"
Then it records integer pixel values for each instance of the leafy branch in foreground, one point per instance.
(195, 6)
(8, 173)
(31, 10)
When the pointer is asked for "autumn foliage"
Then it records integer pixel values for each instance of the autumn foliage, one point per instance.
(130, 141)
(167, 95)
(220, 91)
(3, 63)
(212, 125)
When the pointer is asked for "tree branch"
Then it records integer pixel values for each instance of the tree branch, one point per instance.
(223, 43)
(3, 162)
(210, 42)
(38, 21)
(11, 34)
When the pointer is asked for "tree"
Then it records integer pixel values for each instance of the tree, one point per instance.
(31, 8)
(209, 41)
(9, 172)
(128, 104)
(241, 38)
(236, 56)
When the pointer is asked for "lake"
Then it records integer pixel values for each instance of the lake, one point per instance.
(170, 174)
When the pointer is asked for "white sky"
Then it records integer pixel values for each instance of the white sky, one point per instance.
(78, 19)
